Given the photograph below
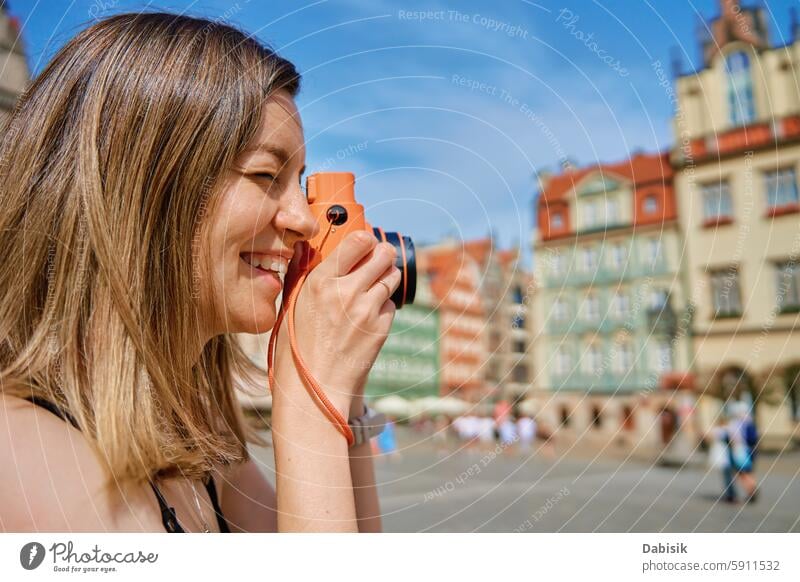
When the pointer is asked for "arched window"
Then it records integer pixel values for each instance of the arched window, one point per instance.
(740, 88)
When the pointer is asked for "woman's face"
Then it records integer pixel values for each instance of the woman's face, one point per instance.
(261, 213)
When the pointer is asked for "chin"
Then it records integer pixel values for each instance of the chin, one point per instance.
(243, 322)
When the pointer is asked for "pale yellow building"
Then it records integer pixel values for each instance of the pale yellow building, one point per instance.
(737, 161)
(14, 74)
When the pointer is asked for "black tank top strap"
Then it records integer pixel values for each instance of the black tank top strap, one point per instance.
(44, 403)
(211, 487)
(168, 516)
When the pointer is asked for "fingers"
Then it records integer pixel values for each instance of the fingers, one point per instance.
(353, 248)
(385, 285)
(374, 266)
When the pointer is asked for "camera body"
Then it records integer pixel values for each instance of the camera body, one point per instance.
(332, 201)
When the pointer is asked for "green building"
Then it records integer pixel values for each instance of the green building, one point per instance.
(611, 305)
(408, 365)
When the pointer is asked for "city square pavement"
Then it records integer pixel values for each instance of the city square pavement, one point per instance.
(494, 489)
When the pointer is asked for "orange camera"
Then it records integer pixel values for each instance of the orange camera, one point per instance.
(332, 200)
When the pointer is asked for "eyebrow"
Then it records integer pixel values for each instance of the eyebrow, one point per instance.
(279, 152)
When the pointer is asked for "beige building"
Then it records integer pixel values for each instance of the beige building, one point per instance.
(737, 160)
(507, 293)
(14, 74)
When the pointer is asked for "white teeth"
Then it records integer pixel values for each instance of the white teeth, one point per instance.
(267, 263)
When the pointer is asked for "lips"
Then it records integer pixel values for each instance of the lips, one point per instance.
(267, 263)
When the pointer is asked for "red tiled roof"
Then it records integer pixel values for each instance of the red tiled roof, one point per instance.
(507, 256)
(479, 249)
(639, 169)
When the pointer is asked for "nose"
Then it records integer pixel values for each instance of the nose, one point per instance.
(294, 219)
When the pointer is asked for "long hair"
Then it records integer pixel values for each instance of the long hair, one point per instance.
(109, 164)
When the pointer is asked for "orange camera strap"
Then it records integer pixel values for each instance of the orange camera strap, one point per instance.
(316, 390)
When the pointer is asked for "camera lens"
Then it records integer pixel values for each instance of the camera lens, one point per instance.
(407, 263)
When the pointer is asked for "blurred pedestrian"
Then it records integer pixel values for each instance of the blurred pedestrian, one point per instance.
(387, 441)
(742, 441)
(486, 428)
(719, 458)
(526, 430)
(507, 431)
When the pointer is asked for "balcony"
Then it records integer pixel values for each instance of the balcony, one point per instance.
(579, 325)
(605, 275)
(606, 383)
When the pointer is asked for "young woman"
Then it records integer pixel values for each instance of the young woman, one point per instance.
(150, 205)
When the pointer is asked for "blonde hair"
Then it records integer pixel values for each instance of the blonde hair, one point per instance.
(108, 166)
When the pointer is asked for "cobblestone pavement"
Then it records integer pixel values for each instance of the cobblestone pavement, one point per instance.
(495, 490)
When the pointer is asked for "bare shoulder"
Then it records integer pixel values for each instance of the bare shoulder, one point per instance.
(248, 499)
(51, 479)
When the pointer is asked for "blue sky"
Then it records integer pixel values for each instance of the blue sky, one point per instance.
(446, 109)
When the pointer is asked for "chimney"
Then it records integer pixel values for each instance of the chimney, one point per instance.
(729, 8)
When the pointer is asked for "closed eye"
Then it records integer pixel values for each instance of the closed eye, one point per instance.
(264, 175)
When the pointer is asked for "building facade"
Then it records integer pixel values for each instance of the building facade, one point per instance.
(455, 279)
(408, 363)
(611, 314)
(14, 73)
(737, 160)
(506, 291)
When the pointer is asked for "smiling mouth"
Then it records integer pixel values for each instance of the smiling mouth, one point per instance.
(267, 264)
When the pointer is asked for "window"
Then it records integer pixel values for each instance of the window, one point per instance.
(588, 258)
(652, 251)
(781, 188)
(725, 293)
(519, 346)
(650, 204)
(618, 255)
(560, 309)
(788, 286)
(518, 321)
(612, 211)
(663, 356)
(589, 214)
(591, 307)
(621, 304)
(658, 299)
(740, 89)
(624, 359)
(597, 417)
(716, 201)
(563, 361)
(517, 295)
(593, 363)
(557, 263)
(520, 373)
(556, 221)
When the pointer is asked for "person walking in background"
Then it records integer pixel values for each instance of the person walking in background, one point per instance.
(507, 431)
(387, 441)
(742, 443)
(486, 428)
(719, 458)
(526, 430)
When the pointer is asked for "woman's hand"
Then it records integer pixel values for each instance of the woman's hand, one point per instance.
(342, 318)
